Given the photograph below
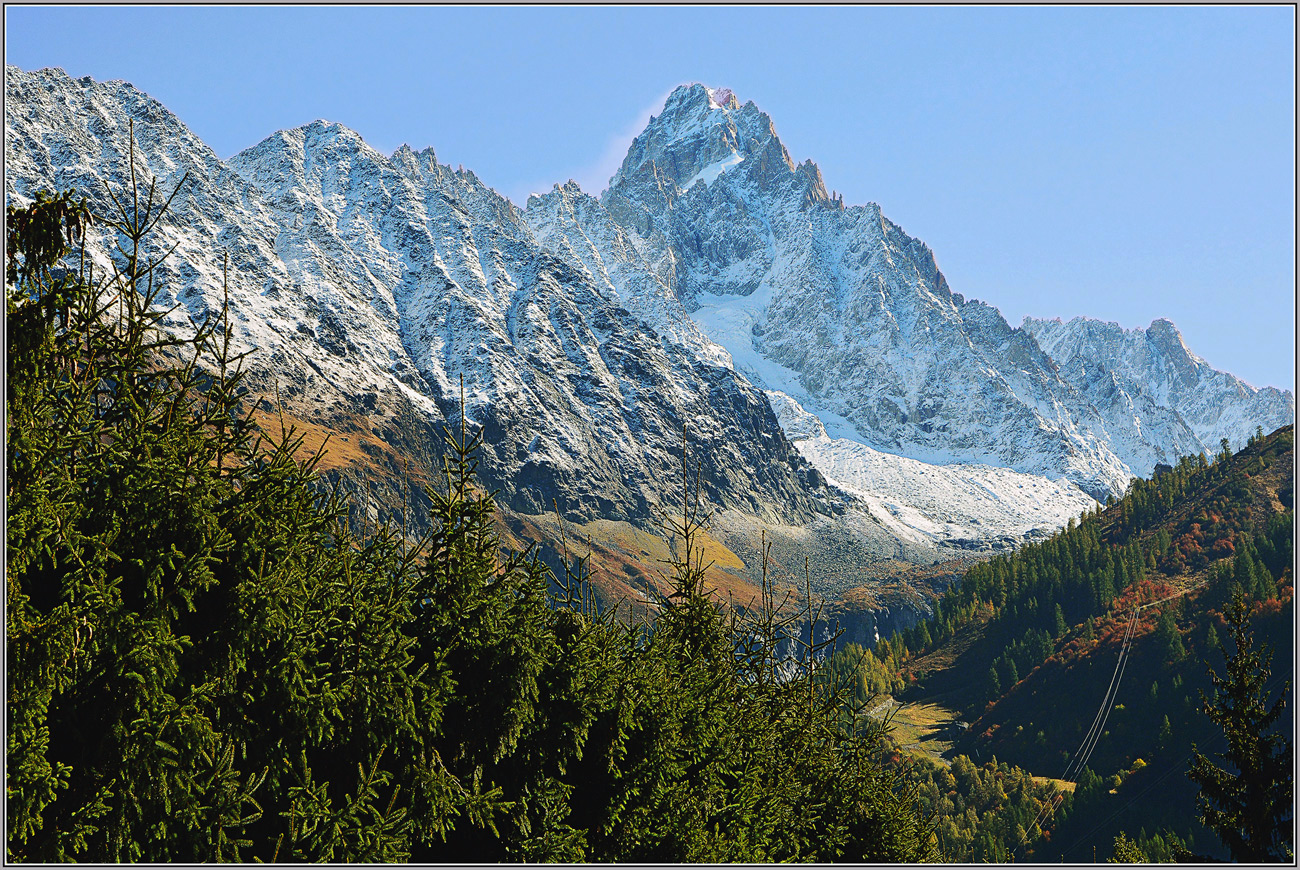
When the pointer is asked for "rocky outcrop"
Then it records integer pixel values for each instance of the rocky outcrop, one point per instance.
(1161, 401)
(357, 275)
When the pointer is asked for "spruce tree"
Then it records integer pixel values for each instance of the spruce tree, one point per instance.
(1250, 808)
(1168, 641)
(205, 664)
(114, 478)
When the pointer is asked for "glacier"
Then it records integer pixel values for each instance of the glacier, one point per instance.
(812, 352)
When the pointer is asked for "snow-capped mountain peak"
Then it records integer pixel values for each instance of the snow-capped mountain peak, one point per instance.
(700, 128)
(590, 332)
(1152, 380)
(857, 310)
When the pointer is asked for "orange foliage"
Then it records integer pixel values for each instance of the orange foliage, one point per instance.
(1143, 592)
(1223, 548)
(1268, 608)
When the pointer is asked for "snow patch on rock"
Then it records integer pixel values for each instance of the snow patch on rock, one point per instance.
(709, 173)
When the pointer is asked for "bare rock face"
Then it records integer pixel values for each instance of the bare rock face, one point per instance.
(1152, 384)
(373, 287)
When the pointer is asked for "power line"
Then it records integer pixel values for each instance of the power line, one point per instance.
(1268, 688)
(1082, 755)
(1109, 703)
(1111, 690)
(1103, 712)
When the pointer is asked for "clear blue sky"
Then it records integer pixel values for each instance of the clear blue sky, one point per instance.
(1117, 162)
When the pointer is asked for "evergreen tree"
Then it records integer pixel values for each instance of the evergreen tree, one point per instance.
(104, 459)
(1165, 733)
(192, 639)
(1249, 808)
(205, 665)
(1126, 851)
(1168, 641)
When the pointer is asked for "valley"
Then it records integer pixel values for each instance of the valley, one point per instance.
(1033, 539)
(831, 387)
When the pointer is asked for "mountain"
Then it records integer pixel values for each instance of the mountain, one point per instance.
(370, 287)
(836, 393)
(849, 317)
(1148, 380)
(356, 275)
(838, 307)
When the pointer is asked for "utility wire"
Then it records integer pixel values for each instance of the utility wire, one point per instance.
(1102, 713)
(1106, 699)
(1051, 806)
(1082, 756)
(1268, 689)
(1109, 703)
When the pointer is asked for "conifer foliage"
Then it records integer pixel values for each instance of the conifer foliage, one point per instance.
(205, 665)
(1250, 808)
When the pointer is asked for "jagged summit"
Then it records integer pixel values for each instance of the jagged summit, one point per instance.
(713, 278)
(854, 314)
(695, 132)
(1154, 380)
(568, 188)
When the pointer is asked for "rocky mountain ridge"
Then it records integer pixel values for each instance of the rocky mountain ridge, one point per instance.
(1149, 377)
(839, 303)
(372, 286)
(713, 281)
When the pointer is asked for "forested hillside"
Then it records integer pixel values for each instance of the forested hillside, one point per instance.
(1084, 658)
(205, 663)
(208, 662)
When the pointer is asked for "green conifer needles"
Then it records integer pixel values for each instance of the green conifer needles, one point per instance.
(204, 664)
(1249, 808)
